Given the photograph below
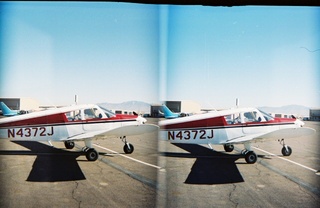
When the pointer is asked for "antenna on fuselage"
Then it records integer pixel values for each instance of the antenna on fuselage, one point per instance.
(237, 102)
(76, 99)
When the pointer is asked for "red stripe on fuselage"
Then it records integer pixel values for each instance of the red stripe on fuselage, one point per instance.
(203, 123)
(61, 119)
(220, 122)
(49, 119)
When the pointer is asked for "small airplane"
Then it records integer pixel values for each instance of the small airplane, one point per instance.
(75, 123)
(6, 111)
(169, 114)
(233, 126)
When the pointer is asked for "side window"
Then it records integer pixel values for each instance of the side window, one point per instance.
(233, 119)
(73, 115)
(248, 117)
(252, 117)
(92, 113)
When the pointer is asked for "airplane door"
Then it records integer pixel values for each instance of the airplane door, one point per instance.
(91, 120)
(251, 123)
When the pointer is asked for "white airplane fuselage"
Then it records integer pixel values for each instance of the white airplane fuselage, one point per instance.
(214, 128)
(53, 125)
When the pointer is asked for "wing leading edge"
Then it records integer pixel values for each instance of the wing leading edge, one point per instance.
(117, 132)
(274, 135)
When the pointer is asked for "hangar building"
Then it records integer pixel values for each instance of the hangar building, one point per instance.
(185, 106)
(314, 115)
(20, 103)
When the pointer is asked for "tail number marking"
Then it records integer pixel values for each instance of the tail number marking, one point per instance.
(30, 132)
(190, 134)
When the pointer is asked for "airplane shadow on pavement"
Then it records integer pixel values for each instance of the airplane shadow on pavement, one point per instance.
(210, 167)
(51, 164)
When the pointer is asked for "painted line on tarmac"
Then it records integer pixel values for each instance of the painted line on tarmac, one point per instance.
(130, 158)
(303, 166)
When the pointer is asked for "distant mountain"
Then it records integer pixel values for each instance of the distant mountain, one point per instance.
(137, 106)
(298, 110)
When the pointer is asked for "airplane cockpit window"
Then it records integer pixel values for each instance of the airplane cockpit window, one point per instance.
(251, 117)
(108, 113)
(92, 113)
(257, 116)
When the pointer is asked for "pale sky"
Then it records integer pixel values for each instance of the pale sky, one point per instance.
(116, 52)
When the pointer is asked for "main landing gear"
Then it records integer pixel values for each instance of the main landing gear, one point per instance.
(91, 153)
(228, 147)
(250, 156)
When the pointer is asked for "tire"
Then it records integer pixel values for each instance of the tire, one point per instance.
(92, 155)
(128, 150)
(251, 157)
(286, 151)
(69, 145)
(228, 147)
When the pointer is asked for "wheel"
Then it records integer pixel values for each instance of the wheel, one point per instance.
(286, 151)
(251, 157)
(92, 155)
(228, 147)
(128, 148)
(69, 145)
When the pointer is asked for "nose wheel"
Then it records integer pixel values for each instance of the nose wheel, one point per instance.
(127, 148)
(286, 150)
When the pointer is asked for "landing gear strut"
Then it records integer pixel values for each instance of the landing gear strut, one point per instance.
(249, 156)
(91, 153)
(286, 150)
(127, 148)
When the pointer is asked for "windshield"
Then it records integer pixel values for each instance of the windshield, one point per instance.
(266, 116)
(108, 113)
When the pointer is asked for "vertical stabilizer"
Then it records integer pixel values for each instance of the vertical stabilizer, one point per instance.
(6, 111)
(168, 113)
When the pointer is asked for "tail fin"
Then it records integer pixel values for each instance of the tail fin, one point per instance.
(6, 111)
(168, 113)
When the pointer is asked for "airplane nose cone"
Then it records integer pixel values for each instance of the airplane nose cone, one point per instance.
(299, 123)
(141, 120)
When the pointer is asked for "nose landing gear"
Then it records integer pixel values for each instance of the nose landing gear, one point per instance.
(286, 150)
(127, 148)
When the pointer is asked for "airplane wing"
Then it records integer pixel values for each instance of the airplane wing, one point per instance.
(117, 132)
(274, 135)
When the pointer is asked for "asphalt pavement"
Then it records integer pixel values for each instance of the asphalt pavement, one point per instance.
(159, 174)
